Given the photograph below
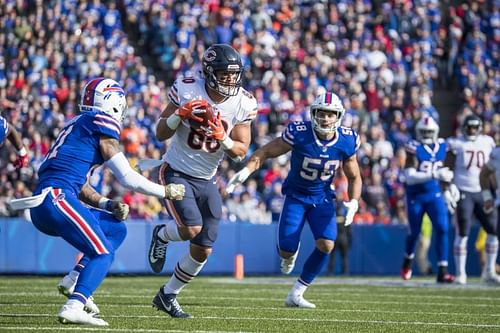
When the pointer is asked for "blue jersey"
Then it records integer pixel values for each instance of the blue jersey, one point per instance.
(314, 161)
(76, 151)
(4, 128)
(429, 157)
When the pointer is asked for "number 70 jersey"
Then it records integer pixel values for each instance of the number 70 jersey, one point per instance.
(314, 161)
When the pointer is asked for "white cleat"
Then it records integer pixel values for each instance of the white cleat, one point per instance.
(490, 278)
(287, 265)
(68, 315)
(66, 287)
(296, 301)
(461, 279)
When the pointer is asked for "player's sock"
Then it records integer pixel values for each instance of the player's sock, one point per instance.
(169, 232)
(460, 252)
(299, 287)
(491, 254)
(185, 270)
(313, 266)
(74, 303)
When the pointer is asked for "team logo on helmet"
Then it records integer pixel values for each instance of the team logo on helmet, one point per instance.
(210, 55)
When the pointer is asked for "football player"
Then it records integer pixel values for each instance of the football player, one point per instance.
(468, 153)
(489, 176)
(318, 147)
(192, 158)
(424, 171)
(7, 131)
(87, 141)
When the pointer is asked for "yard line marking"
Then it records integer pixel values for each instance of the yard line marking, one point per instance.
(291, 319)
(267, 308)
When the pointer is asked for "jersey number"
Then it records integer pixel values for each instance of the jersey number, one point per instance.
(59, 142)
(310, 173)
(478, 156)
(199, 141)
(430, 167)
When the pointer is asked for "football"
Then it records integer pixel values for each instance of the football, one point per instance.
(207, 114)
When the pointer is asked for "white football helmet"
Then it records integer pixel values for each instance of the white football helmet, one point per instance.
(427, 130)
(106, 95)
(328, 102)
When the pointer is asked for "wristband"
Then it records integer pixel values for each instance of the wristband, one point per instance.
(104, 203)
(173, 121)
(22, 151)
(486, 194)
(227, 143)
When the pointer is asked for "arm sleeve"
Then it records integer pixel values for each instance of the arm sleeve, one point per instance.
(131, 179)
(173, 94)
(289, 134)
(103, 124)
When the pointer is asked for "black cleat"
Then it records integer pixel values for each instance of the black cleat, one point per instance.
(157, 250)
(168, 303)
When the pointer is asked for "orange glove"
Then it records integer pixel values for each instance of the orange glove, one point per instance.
(190, 110)
(218, 131)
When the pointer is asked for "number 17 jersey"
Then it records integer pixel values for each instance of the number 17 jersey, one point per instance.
(314, 161)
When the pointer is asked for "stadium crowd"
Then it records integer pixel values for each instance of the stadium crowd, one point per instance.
(383, 58)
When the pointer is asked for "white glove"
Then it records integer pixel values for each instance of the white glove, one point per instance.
(443, 174)
(352, 207)
(237, 179)
(120, 210)
(174, 191)
(451, 197)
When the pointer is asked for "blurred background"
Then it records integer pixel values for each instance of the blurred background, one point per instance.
(389, 62)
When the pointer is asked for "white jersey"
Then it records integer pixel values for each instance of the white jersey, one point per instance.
(470, 158)
(494, 165)
(192, 153)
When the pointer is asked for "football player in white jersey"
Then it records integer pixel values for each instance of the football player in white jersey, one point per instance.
(468, 153)
(192, 159)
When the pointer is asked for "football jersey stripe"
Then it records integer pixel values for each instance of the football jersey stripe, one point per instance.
(111, 127)
(106, 117)
(84, 227)
(287, 140)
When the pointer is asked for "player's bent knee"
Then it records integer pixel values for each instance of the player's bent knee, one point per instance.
(325, 245)
(188, 233)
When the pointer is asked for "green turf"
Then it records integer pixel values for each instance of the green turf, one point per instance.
(30, 304)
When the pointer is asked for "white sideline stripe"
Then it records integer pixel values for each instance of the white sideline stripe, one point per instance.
(389, 322)
(282, 308)
(97, 329)
(336, 301)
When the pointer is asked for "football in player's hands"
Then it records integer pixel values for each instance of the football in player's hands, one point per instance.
(206, 113)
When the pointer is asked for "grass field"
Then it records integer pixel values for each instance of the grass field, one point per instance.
(30, 304)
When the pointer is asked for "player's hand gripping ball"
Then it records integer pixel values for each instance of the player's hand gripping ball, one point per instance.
(201, 115)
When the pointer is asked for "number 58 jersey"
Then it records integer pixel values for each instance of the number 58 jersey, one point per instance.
(314, 161)
(190, 151)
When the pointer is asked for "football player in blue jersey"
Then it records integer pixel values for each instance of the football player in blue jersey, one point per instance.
(318, 148)
(7, 131)
(425, 176)
(60, 205)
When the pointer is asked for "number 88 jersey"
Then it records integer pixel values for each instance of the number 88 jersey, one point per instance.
(470, 156)
(314, 161)
(190, 151)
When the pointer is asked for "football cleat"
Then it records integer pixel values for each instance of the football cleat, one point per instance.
(461, 279)
(69, 315)
(406, 273)
(168, 303)
(445, 278)
(66, 287)
(287, 265)
(298, 301)
(157, 250)
(490, 278)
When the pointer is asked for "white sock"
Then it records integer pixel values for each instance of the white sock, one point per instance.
(491, 254)
(460, 253)
(74, 304)
(74, 275)
(185, 270)
(170, 232)
(298, 288)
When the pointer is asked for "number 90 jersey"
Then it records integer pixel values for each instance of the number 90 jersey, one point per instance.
(470, 156)
(314, 161)
(190, 151)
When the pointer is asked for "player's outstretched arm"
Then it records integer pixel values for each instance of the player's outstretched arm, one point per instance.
(22, 154)
(128, 177)
(275, 148)
(93, 198)
(351, 170)
(485, 179)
